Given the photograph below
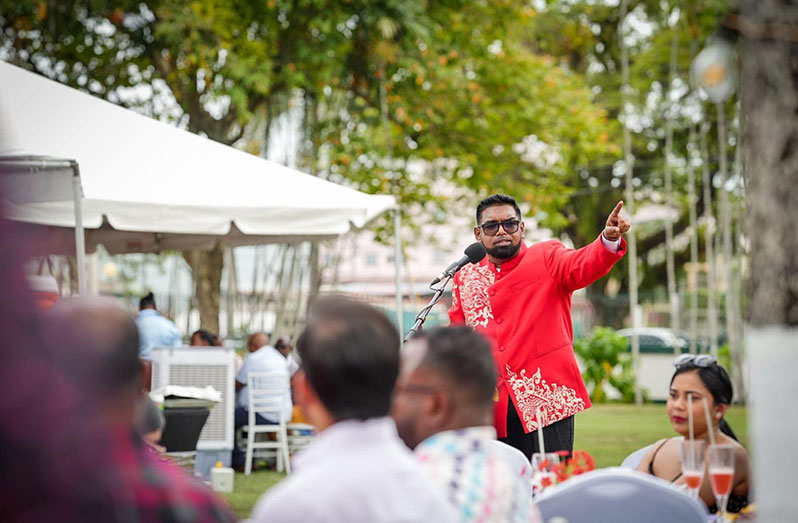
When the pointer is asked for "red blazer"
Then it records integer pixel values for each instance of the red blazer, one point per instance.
(525, 310)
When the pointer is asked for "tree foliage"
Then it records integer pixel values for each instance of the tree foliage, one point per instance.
(419, 99)
(607, 363)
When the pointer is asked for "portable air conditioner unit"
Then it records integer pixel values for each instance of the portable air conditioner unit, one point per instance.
(200, 367)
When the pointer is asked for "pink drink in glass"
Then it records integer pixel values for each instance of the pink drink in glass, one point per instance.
(722, 480)
(693, 479)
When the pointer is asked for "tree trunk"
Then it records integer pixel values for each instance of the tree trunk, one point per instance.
(709, 242)
(206, 267)
(770, 156)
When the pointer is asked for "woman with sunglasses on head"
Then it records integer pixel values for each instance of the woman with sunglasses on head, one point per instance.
(702, 378)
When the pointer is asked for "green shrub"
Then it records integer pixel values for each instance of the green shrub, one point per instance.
(606, 361)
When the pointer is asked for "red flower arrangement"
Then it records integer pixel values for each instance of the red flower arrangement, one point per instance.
(579, 463)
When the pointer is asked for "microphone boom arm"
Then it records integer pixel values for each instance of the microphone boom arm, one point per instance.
(422, 316)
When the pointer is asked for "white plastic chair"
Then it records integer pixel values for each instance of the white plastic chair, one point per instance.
(617, 494)
(300, 435)
(269, 394)
(633, 460)
(515, 459)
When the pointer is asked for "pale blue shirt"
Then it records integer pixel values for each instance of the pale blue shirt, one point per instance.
(265, 359)
(355, 471)
(155, 331)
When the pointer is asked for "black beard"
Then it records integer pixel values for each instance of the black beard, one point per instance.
(504, 252)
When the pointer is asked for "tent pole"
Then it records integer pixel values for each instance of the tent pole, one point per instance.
(80, 238)
(397, 225)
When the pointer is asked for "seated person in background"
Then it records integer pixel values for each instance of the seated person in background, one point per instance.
(284, 347)
(203, 338)
(150, 423)
(154, 331)
(699, 377)
(357, 469)
(443, 407)
(261, 358)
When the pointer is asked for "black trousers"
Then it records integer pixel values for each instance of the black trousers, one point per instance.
(557, 436)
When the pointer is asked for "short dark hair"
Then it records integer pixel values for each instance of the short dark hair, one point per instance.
(496, 199)
(717, 381)
(207, 336)
(464, 358)
(104, 343)
(147, 301)
(350, 356)
(149, 417)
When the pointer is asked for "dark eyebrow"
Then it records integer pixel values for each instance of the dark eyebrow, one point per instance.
(688, 391)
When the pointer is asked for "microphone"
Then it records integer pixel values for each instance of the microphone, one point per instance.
(473, 254)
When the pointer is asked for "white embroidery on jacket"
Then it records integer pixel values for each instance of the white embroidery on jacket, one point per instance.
(555, 402)
(474, 283)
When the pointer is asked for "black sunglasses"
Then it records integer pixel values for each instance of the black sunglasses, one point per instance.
(492, 228)
(701, 360)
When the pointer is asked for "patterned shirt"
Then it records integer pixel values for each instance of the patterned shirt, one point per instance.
(474, 477)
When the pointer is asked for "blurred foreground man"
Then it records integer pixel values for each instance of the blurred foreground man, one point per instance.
(127, 481)
(443, 407)
(358, 469)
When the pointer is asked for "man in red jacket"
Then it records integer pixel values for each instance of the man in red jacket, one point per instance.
(520, 298)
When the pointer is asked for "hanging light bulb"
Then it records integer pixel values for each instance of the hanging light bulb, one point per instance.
(714, 70)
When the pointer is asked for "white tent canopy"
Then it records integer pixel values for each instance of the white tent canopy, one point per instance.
(149, 186)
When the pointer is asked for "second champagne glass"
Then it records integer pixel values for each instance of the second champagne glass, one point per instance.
(720, 459)
(693, 464)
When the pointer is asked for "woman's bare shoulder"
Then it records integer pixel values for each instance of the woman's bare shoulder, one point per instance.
(649, 455)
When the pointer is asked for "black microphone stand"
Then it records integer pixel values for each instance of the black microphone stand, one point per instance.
(422, 316)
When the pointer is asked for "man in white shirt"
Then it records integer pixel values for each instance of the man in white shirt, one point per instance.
(357, 469)
(443, 407)
(261, 358)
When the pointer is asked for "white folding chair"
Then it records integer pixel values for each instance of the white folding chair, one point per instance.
(269, 394)
(299, 436)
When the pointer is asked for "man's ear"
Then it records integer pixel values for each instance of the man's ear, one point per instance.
(439, 408)
(306, 394)
(478, 234)
(310, 403)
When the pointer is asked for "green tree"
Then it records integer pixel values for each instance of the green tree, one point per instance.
(397, 95)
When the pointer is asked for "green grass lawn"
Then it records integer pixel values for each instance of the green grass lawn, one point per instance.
(608, 432)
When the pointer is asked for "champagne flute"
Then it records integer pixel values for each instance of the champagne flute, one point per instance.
(721, 471)
(693, 464)
(543, 468)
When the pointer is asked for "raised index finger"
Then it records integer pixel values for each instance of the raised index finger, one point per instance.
(617, 209)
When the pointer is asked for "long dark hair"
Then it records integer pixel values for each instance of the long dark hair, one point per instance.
(717, 381)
